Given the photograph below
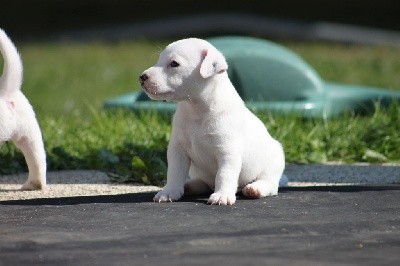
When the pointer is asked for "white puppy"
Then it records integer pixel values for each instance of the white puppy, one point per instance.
(216, 143)
(17, 119)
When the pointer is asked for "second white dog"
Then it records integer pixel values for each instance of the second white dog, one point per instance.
(17, 119)
(216, 141)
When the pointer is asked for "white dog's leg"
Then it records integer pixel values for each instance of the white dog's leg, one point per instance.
(33, 149)
(8, 121)
(178, 168)
(226, 181)
(196, 187)
(260, 188)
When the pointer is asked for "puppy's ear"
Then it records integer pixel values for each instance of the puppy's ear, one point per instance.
(213, 63)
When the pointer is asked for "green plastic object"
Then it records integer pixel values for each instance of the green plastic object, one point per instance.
(269, 77)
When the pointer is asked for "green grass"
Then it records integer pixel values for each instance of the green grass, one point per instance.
(370, 66)
(61, 79)
(67, 85)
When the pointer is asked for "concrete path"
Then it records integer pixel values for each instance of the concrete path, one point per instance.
(320, 225)
(92, 183)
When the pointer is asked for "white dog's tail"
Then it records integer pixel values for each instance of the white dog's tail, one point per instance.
(11, 79)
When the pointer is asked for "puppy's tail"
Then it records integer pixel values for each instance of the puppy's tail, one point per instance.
(11, 79)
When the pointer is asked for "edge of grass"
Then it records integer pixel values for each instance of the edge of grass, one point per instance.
(132, 147)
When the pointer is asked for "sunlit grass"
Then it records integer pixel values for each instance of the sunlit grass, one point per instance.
(62, 78)
(132, 147)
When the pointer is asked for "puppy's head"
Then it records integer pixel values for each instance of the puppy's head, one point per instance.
(182, 70)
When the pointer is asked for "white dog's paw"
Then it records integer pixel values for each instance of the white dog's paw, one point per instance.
(222, 198)
(251, 191)
(32, 185)
(259, 189)
(168, 194)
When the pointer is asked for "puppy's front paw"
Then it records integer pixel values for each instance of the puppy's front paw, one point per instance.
(222, 198)
(168, 194)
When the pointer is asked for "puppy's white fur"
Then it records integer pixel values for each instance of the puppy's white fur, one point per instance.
(216, 141)
(17, 119)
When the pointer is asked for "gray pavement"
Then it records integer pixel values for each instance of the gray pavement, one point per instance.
(341, 173)
(340, 225)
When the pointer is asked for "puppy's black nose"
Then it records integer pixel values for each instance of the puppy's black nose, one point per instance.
(143, 78)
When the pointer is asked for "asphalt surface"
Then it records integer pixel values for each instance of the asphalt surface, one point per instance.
(346, 225)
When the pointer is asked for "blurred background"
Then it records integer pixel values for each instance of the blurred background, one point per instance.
(116, 19)
(72, 49)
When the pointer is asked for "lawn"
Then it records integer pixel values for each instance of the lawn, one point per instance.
(67, 84)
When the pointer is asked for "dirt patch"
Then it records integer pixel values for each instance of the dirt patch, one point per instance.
(68, 184)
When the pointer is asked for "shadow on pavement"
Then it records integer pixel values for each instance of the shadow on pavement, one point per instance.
(147, 197)
(144, 197)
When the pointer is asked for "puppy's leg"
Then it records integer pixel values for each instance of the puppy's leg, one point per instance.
(8, 121)
(178, 168)
(33, 149)
(226, 181)
(196, 187)
(268, 182)
(260, 188)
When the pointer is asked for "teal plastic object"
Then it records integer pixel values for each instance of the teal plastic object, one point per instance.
(269, 77)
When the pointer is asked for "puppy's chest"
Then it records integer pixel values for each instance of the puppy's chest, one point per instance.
(199, 140)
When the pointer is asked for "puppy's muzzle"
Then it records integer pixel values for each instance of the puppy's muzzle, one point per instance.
(143, 78)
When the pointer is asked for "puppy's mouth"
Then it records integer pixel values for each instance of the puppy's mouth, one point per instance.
(152, 89)
(156, 95)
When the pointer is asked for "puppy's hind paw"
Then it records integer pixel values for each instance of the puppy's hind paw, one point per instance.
(222, 198)
(168, 195)
(251, 192)
(260, 189)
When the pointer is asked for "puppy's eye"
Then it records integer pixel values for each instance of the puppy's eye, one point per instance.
(174, 64)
